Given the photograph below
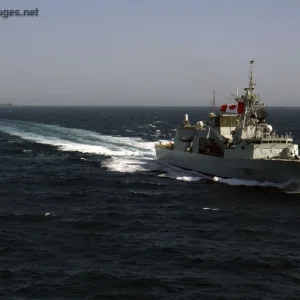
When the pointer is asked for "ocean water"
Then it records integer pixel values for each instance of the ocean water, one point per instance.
(87, 213)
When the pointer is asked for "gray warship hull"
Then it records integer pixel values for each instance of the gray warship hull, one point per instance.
(235, 143)
(277, 171)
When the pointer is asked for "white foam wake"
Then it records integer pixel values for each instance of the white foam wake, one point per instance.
(128, 164)
(291, 186)
(178, 173)
(127, 154)
(124, 154)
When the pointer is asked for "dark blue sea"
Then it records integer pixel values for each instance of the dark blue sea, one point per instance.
(87, 213)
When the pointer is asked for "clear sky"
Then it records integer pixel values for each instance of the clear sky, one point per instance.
(149, 52)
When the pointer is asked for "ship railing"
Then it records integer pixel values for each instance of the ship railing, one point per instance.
(281, 136)
(283, 159)
(274, 136)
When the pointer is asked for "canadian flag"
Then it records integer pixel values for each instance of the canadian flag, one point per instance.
(233, 108)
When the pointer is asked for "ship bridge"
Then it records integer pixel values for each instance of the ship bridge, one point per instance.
(224, 124)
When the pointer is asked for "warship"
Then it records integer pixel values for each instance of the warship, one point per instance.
(235, 142)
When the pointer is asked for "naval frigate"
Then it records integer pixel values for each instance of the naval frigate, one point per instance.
(235, 142)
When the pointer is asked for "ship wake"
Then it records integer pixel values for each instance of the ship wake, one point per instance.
(177, 173)
(290, 186)
(123, 154)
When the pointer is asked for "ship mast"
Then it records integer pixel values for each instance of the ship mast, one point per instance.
(251, 81)
(254, 114)
(249, 98)
(214, 101)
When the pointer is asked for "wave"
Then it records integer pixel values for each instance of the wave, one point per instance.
(124, 154)
(178, 173)
(79, 140)
(290, 186)
(125, 151)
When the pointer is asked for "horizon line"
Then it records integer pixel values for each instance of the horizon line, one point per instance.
(128, 105)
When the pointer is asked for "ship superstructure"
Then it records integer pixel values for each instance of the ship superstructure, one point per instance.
(237, 142)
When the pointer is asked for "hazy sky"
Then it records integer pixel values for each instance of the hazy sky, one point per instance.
(149, 52)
